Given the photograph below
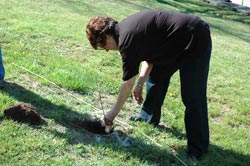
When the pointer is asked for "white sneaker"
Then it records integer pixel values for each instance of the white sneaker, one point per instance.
(144, 116)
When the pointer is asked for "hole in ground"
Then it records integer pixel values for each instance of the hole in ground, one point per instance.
(92, 125)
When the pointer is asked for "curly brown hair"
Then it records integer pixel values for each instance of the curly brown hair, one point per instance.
(97, 29)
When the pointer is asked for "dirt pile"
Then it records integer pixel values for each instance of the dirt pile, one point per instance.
(25, 113)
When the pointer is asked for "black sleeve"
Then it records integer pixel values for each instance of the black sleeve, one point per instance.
(131, 64)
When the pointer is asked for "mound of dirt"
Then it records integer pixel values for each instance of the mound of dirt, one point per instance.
(92, 125)
(23, 112)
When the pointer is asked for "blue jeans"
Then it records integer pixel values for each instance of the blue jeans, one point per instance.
(193, 78)
(2, 71)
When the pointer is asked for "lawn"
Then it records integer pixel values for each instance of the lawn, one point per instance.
(50, 64)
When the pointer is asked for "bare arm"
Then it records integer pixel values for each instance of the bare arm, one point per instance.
(145, 71)
(124, 94)
(125, 91)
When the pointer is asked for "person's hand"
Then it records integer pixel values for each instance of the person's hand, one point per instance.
(107, 121)
(108, 124)
(137, 94)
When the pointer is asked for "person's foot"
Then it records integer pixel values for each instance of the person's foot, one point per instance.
(143, 116)
(192, 155)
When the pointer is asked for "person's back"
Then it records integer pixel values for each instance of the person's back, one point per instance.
(157, 36)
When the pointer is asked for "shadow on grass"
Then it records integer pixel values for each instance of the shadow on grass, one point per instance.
(220, 156)
(195, 7)
(146, 152)
(60, 113)
(188, 6)
(192, 7)
(65, 116)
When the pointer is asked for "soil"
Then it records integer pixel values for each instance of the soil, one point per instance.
(92, 125)
(25, 113)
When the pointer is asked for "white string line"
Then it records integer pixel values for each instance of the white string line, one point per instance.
(162, 147)
(152, 140)
(99, 111)
(56, 86)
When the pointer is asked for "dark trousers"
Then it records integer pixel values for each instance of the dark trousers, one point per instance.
(193, 77)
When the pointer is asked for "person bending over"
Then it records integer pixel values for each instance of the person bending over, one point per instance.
(163, 42)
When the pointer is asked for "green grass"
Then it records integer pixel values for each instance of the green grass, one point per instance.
(48, 38)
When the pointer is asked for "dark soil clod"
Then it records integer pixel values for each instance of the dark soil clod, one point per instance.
(92, 125)
(23, 112)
